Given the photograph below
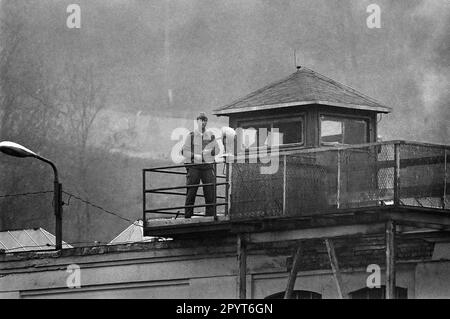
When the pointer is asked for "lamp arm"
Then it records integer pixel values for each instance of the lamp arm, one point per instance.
(55, 170)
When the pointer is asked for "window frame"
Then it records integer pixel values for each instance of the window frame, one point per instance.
(331, 116)
(296, 117)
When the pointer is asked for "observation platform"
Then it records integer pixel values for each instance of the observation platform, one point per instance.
(312, 188)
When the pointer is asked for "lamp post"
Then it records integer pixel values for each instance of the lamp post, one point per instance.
(17, 150)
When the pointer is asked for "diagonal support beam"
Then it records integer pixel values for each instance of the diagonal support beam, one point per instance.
(334, 266)
(293, 274)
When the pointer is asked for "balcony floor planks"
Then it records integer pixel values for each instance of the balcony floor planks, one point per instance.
(349, 219)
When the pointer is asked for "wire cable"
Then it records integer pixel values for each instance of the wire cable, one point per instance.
(92, 243)
(25, 194)
(100, 208)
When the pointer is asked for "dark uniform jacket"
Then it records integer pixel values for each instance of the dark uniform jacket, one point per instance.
(203, 144)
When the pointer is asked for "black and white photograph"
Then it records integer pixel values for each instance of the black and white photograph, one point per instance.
(240, 151)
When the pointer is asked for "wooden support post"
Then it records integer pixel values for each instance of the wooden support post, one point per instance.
(293, 274)
(335, 267)
(242, 266)
(390, 260)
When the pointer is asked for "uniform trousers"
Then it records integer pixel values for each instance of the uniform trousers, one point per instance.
(194, 176)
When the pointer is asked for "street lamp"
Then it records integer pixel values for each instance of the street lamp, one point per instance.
(17, 150)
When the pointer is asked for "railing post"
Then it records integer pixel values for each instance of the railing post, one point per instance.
(397, 174)
(144, 205)
(444, 198)
(227, 187)
(338, 186)
(284, 184)
(215, 190)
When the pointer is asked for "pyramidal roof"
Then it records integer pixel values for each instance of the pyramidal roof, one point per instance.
(302, 88)
(133, 233)
(27, 240)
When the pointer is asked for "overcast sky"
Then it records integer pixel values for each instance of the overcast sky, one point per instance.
(178, 57)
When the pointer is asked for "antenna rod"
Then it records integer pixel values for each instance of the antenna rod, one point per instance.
(298, 67)
(295, 58)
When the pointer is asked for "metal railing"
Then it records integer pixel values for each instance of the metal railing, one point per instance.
(221, 198)
(322, 180)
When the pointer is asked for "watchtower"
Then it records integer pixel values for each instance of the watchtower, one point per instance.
(330, 179)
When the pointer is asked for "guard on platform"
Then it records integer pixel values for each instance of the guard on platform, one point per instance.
(200, 147)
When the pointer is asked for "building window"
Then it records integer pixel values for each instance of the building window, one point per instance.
(297, 294)
(378, 293)
(271, 132)
(340, 130)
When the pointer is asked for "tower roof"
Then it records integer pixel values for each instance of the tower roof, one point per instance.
(302, 88)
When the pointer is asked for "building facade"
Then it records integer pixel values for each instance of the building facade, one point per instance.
(207, 269)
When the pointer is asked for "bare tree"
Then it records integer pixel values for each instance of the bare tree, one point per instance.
(27, 109)
(82, 97)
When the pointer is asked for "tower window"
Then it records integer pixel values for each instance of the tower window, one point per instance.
(272, 132)
(337, 130)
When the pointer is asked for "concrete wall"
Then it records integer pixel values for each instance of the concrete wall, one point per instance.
(171, 272)
(433, 280)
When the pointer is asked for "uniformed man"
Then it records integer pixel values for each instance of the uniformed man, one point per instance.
(200, 147)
